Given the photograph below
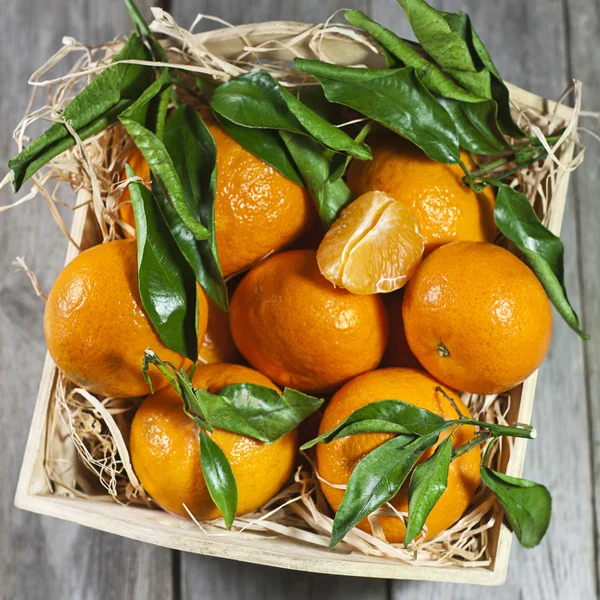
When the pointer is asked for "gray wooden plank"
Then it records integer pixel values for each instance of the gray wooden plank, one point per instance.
(216, 577)
(42, 558)
(583, 33)
(528, 44)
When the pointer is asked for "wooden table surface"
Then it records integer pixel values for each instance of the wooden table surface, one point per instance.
(539, 45)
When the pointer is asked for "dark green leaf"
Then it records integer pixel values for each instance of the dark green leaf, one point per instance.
(384, 416)
(161, 165)
(166, 284)
(396, 99)
(139, 109)
(89, 112)
(500, 92)
(446, 47)
(477, 126)
(257, 100)
(527, 505)
(142, 27)
(427, 484)
(376, 479)
(265, 144)
(219, 478)
(314, 165)
(257, 411)
(544, 251)
(429, 74)
(193, 153)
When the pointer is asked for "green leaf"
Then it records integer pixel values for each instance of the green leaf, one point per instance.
(265, 144)
(166, 284)
(89, 112)
(194, 156)
(427, 484)
(446, 47)
(527, 505)
(314, 164)
(340, 163)
(544, 251)
(477, 126)
(219, 478)
(139, 110)
(141, 26)
(385, 416)
(257, 411)
(161, 165)
(396, 99)
(376, 479)
(429, 74)
(256, 100)
(461, 23)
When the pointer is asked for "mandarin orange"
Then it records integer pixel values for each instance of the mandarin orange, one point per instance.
(96, 328)
(374, 245)
(477, 318)
(297, 328)
(165, 451)
(336, 461)
(257, 210)
(446, 209)
(217, 345)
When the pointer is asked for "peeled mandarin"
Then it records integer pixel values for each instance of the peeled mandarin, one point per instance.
(374, 246)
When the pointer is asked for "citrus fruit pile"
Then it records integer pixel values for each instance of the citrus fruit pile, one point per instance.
(277, 265)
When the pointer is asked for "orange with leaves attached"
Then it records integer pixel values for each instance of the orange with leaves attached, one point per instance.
(96, 328)
(336, 460)
(447, 210)
(257, 210)
(165, 451)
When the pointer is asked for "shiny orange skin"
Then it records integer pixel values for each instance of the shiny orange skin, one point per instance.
(217, 345)
(397, 351)
(96, 328)
(336, 461)
(447, 210)
(477, 318)
(165, 450)
(293, 325)
(257, 210)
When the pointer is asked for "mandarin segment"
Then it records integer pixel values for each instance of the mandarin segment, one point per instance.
(297, 328)
(477, 318)
(336, 461)
(446, 209)
(258, 211)
(95, 325)
(165, 450)
(374, 246)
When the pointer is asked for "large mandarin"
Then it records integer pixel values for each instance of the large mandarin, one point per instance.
(446, 209)
(477, 318)
(296, 327)
(165, 450)
(96, 328)
(257, 210)
(336, 461)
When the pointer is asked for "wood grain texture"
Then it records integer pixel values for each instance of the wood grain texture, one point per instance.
(42, 558)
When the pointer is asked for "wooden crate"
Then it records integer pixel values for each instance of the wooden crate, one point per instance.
(34, 492)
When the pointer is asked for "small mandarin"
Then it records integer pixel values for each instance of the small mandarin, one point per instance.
(165, 450)
(477, 318)
(296, 327)
(95, 325)
(374, 246)
(217, 345)
(397, 351)
(336, 460)
(257, 210)
(446, 209)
